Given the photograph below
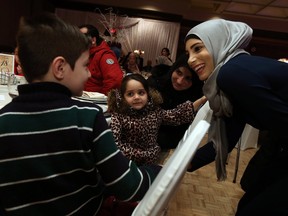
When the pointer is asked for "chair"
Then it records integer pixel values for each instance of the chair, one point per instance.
(204, 113)
(248, 139)
(155, 201)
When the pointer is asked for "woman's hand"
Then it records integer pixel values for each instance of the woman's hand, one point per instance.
(198, 103)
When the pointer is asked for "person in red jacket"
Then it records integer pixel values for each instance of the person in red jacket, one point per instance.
(106, 73)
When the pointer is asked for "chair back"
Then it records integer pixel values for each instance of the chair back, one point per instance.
(156, 200)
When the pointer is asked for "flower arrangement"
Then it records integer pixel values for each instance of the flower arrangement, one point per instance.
(114, 25)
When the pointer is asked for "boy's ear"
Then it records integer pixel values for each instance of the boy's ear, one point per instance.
(58, 65)
(94, 40)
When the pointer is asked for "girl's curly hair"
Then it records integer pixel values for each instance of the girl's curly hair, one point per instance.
(116, 102)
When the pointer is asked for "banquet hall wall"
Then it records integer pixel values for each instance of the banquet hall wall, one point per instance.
(265, 43)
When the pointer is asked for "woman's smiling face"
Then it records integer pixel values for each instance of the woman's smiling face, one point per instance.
(199, 59)
(181, 79)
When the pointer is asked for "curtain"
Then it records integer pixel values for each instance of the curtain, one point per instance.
(137, 33)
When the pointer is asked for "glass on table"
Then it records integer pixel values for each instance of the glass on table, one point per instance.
(12, 85)
(13, 82)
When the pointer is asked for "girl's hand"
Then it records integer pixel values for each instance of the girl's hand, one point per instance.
(198, 103)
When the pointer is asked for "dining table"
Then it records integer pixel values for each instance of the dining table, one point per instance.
(98, 99)
(5, 98)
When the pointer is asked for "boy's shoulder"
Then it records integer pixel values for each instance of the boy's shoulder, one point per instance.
(83, 102)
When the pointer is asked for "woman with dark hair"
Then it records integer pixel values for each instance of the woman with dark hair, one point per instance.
(164, 57)
(176, 84)
(166, 52)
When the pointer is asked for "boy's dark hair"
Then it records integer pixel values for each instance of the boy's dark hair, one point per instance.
(92, 31)
(42, 38)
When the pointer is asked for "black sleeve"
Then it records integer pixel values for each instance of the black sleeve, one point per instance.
(206, 154)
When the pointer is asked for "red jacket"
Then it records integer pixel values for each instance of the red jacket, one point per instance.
(106, 73)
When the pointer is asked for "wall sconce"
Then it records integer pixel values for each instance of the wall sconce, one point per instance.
(139, 52)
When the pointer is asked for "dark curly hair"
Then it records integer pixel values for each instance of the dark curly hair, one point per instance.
(116, 102)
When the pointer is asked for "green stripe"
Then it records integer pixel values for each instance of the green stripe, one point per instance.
(60, 118)
(60, 163)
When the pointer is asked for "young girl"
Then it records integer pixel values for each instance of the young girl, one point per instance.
(136, 117)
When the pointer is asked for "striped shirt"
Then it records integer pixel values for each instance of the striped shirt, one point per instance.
(58, 156)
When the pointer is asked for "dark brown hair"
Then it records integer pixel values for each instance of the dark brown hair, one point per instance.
(42, 38)
(136, 77)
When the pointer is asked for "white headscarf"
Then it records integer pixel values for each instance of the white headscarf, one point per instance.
(223, 39)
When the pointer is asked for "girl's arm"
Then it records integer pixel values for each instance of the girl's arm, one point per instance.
(183, 113)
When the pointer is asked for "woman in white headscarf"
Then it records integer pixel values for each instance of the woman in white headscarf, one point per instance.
(242, 89)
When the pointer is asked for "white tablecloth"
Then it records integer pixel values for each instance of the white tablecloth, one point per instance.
(4, 96)
(249, 138)
(5, 99)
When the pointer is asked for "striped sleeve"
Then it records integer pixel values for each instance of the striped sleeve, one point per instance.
(121, 176)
